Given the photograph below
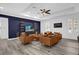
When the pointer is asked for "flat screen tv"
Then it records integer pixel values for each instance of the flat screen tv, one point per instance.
(57, 25)
(29, 27)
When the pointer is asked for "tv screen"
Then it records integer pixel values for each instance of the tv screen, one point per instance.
(29, 27)
(57, 25)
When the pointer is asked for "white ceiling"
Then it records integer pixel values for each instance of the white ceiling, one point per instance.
(32, 10)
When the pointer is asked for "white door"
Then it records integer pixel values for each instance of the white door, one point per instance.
(4, 28)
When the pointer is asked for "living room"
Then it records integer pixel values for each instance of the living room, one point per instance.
(49, 28)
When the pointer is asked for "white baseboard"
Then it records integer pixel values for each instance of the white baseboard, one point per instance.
(12, 38)
(69, 38)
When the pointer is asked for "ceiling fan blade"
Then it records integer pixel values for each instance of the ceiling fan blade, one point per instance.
(48, 13)
(48, 10)
(41, 10)
(44, 10)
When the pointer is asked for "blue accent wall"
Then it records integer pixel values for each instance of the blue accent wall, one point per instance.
(13, 27)
(14, 23)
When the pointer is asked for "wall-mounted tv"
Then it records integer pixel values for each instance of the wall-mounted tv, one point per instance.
(29, 27)
(57, 25)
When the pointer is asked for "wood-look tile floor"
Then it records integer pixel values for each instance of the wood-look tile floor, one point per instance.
(14, 47)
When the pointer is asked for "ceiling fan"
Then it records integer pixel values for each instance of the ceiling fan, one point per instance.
(44, 11)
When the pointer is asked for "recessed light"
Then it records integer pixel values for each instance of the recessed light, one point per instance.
(70, 31)
(26, 14)
(1, 7)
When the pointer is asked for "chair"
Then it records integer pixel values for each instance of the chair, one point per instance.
(25, 38)
(50, 39)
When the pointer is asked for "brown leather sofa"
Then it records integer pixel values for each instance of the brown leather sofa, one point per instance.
(25, 38)
(50, 39)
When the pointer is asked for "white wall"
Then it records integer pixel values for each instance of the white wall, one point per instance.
(48, 25)
(3, 28)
